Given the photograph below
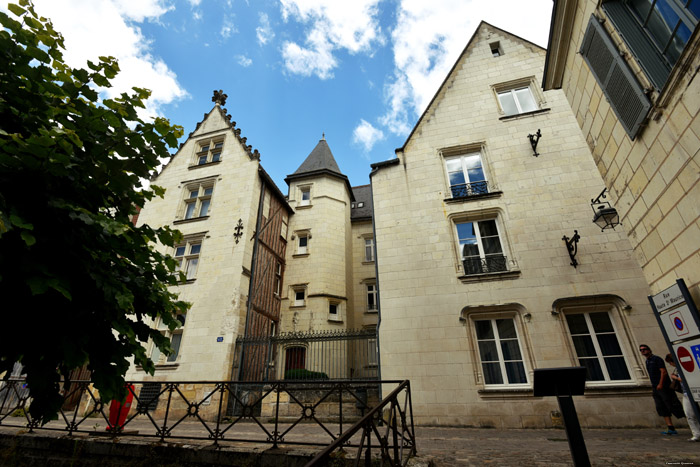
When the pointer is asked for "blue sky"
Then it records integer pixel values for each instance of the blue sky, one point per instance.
(360, 71)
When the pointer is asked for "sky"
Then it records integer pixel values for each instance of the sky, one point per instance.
(359, 71)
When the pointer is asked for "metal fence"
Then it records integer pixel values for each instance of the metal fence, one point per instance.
(332, 355)
(315, 413)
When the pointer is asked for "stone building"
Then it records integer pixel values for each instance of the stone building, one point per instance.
(629, 71)
(465, 232)
(259, 263)
(477, 285)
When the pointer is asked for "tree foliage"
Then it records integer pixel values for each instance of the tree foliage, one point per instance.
(79, 282)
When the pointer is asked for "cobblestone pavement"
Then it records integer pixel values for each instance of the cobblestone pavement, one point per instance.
(444, 446)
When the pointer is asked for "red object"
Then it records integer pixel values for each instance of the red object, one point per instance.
(685, 359)
(118, 411)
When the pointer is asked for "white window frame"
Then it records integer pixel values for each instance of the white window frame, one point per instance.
(197, 200)
(337, 316)
(188, 254)
(208, 150)
(483, 257)
(155, 354)
(278, 279)
(596, 345)
(372, 357)
(369, 249)
(298, 289)
(510, 88)
(371, 295)
(305, 195)
(472, 187)
(499, 350)
(303, 239)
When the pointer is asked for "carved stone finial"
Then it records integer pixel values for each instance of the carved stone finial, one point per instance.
(323, 136)
(219, 97)
(244, 139)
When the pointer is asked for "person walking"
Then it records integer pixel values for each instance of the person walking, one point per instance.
(665, 399)
(687, 403)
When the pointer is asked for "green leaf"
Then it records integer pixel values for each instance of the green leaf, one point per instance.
(16, 9)
(28, 238)
(19, 222)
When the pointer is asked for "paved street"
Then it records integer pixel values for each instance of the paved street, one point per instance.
(473, 446)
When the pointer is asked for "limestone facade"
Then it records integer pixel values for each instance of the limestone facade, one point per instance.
(653, 177)
(477, 287)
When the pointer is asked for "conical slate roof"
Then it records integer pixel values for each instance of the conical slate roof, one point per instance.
(320, 162)
(321, 158)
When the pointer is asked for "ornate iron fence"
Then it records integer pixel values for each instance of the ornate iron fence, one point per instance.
(334, 355)
(490, 263)
(314, 413)
(464, 190)
(389, 423)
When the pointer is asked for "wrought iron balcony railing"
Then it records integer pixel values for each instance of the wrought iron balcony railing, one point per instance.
(489, 264)
(464, 190)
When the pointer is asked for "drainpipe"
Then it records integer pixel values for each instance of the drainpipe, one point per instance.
(376, 273)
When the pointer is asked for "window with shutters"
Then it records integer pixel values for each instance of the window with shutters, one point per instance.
(656, 31)
(621, 88)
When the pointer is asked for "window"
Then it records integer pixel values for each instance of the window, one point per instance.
(187, 257)
(209, 151)
(305, 196)
(371, 297)
(517, 101)
(299, 293)
(334, 312)
(295, 359)
(466, 175)
(597, 347)
(175, 337)
(609, 68)
(369, 249)
(285, 226)
(372, 352)
(303, 247)
(480, 247)
(361, 204)
(499, 351)
(278, 279)
(198, 200)
(496, 49)
(656, 31)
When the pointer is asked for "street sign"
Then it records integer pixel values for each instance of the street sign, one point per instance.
(680, 324)
(667, 299)
(688, 355)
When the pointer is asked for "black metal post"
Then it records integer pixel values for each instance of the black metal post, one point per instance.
(577, 445)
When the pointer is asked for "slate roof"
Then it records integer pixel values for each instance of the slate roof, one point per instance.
(320, 162)
(362, 195)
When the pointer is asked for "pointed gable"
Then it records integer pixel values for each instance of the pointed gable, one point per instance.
(483, 25)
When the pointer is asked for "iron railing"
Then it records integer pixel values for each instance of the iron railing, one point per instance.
(464, 190)
(334, 355)
(490, 263)
(390, 424)
(314, 413)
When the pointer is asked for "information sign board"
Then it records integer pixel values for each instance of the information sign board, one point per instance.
(668, 298)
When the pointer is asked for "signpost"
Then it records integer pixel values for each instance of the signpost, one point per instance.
(680, 324)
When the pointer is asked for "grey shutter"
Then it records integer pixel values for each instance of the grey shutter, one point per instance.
(625, 95)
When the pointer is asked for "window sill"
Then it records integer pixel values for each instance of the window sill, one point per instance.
(461, 199)
(191, 219)
(368, 262)
(300, 255)
(490, 276)
(525, 114)
(188, 281)
(161, 366)
(335, 320)
(304, 206)
(197, 166)
(372, 312)
(297, 306)
(506, 392)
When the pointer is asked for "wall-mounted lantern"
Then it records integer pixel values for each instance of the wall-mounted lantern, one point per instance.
(604, 215)
(534, 139)
(572, 246)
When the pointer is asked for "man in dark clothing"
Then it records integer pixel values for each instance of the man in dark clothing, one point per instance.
(665, 399)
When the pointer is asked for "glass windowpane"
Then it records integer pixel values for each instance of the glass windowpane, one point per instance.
(608, 344)
(525, 99)
(617, 368)
(192, 268)
(208, 191)
(179, 251)
(577, 324)
(506, 329)
(202, 160)
(483, 330)
(204, 208)
(215, 156)
(507, 103)
(515, 372)
(601, 322)
(511, 350)
(189, 210)
(492, 373)
(584, 346)
(488, 351)
(195, 248)
(175, 345)
(593, 370)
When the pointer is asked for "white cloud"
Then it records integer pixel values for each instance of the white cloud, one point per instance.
(429, 37)
(264, 31)
(197, 15)
(194, 2)
(227, 28)
(95, 28)
(244, 61)
(366, 135)
(333, 25)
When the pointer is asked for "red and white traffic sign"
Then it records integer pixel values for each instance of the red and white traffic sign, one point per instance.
(685, 359)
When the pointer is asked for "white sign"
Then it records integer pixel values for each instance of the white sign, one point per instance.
(668, 298)
(680, 324)
(688, 355)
